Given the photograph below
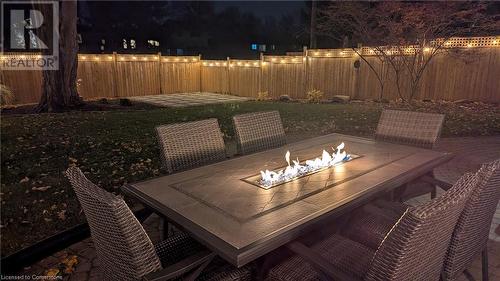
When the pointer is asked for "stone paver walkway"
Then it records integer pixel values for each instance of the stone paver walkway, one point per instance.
(470, 153)
(188, 99)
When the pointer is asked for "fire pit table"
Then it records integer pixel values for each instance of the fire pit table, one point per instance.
(227, 207)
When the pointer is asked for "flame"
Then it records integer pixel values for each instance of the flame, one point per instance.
(296, 170)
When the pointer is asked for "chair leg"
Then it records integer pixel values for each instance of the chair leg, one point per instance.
(468, 275)
(484, 258)
(161, 228)
(433, 192)
(434, 187)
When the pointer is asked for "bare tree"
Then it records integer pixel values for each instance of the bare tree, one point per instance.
(59, 90)
(406, 36)
(354, 20)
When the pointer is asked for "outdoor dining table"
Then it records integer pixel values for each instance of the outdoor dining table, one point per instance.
(220, 206)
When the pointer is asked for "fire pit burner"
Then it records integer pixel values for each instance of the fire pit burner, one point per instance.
(268, 179)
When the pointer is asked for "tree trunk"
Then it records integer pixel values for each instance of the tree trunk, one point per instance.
(59, 90)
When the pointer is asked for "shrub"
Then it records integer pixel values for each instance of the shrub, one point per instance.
(314, 96)
(125, 102)
(6, 95)
(262, 96)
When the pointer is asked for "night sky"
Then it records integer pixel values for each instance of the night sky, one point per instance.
(216, 29)
(263, 9)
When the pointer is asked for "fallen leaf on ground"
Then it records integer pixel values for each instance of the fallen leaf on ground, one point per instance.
(42, 188)
(62, 215)
(52, 272)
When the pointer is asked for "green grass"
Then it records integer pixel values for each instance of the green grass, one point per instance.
(116, 147)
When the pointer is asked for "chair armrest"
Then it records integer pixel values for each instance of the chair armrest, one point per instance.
(178, 269)
(319, 262)
(432, 180)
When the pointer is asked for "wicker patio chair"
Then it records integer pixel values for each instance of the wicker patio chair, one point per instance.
(190, 144)
(471, 233)
(258, 131)
(125, 250)
(414, 248)
(408, 127)
(411, 128)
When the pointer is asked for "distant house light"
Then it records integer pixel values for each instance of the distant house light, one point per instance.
(153, 43)
(132, 44)
(125, 46)
(258, 47)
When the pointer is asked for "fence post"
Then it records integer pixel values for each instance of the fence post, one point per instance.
(229, 76)
(201, 73)
(115, 74)
(305, 61)
(261, 75)
(159, 73)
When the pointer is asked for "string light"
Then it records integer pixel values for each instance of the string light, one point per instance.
(96, 58)
(84, 57)
(110, 57)
(145, 58)
(273, 59)
(134, 58)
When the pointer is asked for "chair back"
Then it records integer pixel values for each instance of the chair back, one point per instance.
(470, 236)
(190, 144)
(122, 246)
(258, 131)
(408, 127)
(415, 247)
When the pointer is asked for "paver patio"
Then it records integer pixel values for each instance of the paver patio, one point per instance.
(470, 153)
(188, 99)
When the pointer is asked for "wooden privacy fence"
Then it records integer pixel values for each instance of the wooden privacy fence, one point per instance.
(332, 71)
